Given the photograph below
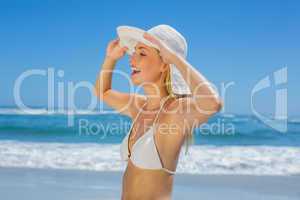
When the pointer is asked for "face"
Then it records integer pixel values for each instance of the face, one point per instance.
(146, 64)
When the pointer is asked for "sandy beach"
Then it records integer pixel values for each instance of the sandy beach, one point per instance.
(34, 184)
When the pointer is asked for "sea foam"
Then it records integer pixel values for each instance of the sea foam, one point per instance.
(201, 159)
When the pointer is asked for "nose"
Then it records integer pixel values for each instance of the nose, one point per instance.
(133, 59)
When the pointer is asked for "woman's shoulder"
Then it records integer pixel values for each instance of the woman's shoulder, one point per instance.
(179, 112)
(171, 128)
(174, 109)
(178, 105)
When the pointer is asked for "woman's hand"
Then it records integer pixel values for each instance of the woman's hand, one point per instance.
(167, 55)
(114, 51)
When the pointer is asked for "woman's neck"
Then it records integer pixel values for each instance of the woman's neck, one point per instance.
(155, 96)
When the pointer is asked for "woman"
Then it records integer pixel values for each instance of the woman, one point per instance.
(176, 99)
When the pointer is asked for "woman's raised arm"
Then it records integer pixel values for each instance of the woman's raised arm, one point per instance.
(205, 100)
(122, 102)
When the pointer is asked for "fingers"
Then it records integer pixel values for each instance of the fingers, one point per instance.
(113, 43)
(124, 49)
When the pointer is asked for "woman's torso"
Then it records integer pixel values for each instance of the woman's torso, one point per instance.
(146, 184)
(141, 183)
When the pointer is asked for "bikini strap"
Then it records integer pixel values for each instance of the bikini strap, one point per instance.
(154, 123)
(139, 112)
(169, 171)
(131, 127)
(156, 117)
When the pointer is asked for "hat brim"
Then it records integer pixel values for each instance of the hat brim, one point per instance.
(130, 36)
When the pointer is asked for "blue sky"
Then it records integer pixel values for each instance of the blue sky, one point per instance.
(229, 41)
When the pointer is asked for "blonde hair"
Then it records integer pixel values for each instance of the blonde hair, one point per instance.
(190, 137)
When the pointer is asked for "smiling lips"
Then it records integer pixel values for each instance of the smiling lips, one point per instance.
(135, 70)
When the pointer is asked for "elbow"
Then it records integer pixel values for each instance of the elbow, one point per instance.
(209, 107)
(99, 93)
(213, 106)
(217, 105)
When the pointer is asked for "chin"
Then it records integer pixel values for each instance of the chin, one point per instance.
(136, 81)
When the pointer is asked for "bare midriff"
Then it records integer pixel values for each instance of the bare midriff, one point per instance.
(146, 184)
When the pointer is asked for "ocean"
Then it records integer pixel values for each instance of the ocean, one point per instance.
(227, 144)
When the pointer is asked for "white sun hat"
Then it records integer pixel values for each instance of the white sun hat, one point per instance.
(130, 36)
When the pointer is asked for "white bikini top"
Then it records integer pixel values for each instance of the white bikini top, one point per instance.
(144, 153)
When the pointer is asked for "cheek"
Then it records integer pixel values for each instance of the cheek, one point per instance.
(150, 73)
(150, 69)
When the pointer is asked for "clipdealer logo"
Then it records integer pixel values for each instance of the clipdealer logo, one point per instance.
(279, 120)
